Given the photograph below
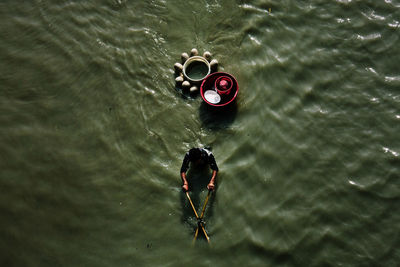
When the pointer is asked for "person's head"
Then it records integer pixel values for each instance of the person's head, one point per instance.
(195, 154)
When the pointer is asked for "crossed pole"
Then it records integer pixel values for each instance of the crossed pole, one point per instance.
(200, 222)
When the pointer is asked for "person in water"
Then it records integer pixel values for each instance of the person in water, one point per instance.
(198, 156)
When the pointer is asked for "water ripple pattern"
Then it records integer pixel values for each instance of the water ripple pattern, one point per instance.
(93, 133)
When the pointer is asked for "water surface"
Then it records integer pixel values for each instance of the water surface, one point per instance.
(93, 133)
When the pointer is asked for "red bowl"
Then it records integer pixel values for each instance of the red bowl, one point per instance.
(209, 84)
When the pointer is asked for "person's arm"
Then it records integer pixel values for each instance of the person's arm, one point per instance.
(184, 168)
(185, 185)
(211, 184)
(214, 167)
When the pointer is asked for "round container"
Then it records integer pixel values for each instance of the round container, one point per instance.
(208, 84)
(212, 96)
(220, 89)
(196, 69)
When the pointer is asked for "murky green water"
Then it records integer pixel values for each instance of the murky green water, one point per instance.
(93, 133)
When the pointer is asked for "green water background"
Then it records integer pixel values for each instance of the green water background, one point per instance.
(93, 132)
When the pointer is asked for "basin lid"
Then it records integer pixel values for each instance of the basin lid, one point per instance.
(212, 96)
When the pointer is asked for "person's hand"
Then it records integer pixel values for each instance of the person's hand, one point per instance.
(185, 187)
(210, 186)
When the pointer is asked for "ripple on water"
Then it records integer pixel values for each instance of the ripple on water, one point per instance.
(308, 161)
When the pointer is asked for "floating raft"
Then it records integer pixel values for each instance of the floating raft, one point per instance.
(194, 69)
(217, 89)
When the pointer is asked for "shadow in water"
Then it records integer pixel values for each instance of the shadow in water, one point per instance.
(198, 179)
(185, 93)
(217, 118)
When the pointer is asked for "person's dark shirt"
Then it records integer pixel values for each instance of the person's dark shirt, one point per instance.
(206, 158)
